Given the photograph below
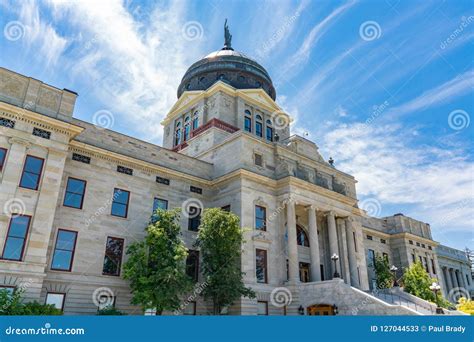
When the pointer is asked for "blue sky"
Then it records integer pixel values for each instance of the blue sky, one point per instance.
(384, 87)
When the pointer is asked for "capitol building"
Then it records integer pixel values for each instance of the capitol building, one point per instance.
(74, 196)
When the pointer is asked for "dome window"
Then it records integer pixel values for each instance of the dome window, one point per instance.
(188, 86)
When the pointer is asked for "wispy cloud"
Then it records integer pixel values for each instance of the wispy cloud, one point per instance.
(296, 62)
(433, 181)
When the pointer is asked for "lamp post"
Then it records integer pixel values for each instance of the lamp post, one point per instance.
(335, 258)
(301, 310)
(394, 270)
(435, 288)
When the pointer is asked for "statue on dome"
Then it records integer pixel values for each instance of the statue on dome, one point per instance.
(227, 37)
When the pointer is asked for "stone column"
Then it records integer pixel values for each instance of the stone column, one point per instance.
(314, 244)
(333, 245)
(351, 253)
(454, 281)
(449, 282)
(345, 272)
(293, 265)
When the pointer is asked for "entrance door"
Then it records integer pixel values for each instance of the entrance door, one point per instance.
(320, 310)
(304, 272)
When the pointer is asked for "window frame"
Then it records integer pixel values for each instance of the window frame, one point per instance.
(119, 268)
(259, 128)
(265, 262)
(248, 121)
(159, 199)
(269, 129)
(191, 220)
(126, 205)
(73, 251)
(56, 293)
(194, 254)
(40, 174)
(300, 229)
(257, 219)
(22, 253)
(266, 307)
(3, 159)
(82, 196)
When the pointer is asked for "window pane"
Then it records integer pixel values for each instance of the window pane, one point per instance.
(19, 226)
(269, 134)
(262, 308)
(56, 299)
(9, 290)
(113, 256)
(258, 129)
(121, 196)
(160, 204)
(73, 200)
(29, 181)
(3, 154)
(261, 263)
(260, 218)
(76, 186)
(33, 165)
(66, 240)
(119, 209)
(248, 124)
(13, 248)
(61, 260)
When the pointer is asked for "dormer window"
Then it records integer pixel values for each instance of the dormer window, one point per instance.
(195, 120)
(187, 128)
(248, 121)
(269, 130)
(259, 126)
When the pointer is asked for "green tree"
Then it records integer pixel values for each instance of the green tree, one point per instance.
(417, 281)
(156, 266)
(220, 239)
(110, 311)
(382, 271)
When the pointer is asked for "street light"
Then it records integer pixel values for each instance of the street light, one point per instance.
(335, 258)
(435, 288)
(394, 270)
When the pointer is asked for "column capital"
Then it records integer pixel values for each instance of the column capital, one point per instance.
(15, 140)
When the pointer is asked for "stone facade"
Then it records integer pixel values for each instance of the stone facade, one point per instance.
(311, 210)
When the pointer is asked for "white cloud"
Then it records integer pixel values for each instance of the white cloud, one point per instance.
(436, 184)
(131, 65)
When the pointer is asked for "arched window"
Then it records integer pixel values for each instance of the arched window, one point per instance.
(187, 128)
(177, 134)
(259, 126)
(248, 121)
(301, 237)
(269, 131)
(195, 120)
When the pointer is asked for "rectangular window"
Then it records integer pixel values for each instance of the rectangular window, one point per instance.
(56, 299)
(383, 241)
(226, 208)
(369, 237)
(3, 156)
(162, 180)
(413, 258)
(113, 256)
(63, 254)
(4, 122)
(418, 244)
(258, 159)
(261, 263)
(425, 263)
(262, 308)
(410, 242)
(433, 266)
(258, 129)
(423, 245)
(8, 289)
(371, 256)
(248, 124)
(269, 133)
(194, 220)
(195, 190)
(120, 203)
(192, 265)
(74, 196)
(31, 174)
(125, 170)
(16, 237)
(81, 158)
(385, 256)
(321, 267)
(260, 218)
(159, 203)
(41, 133)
